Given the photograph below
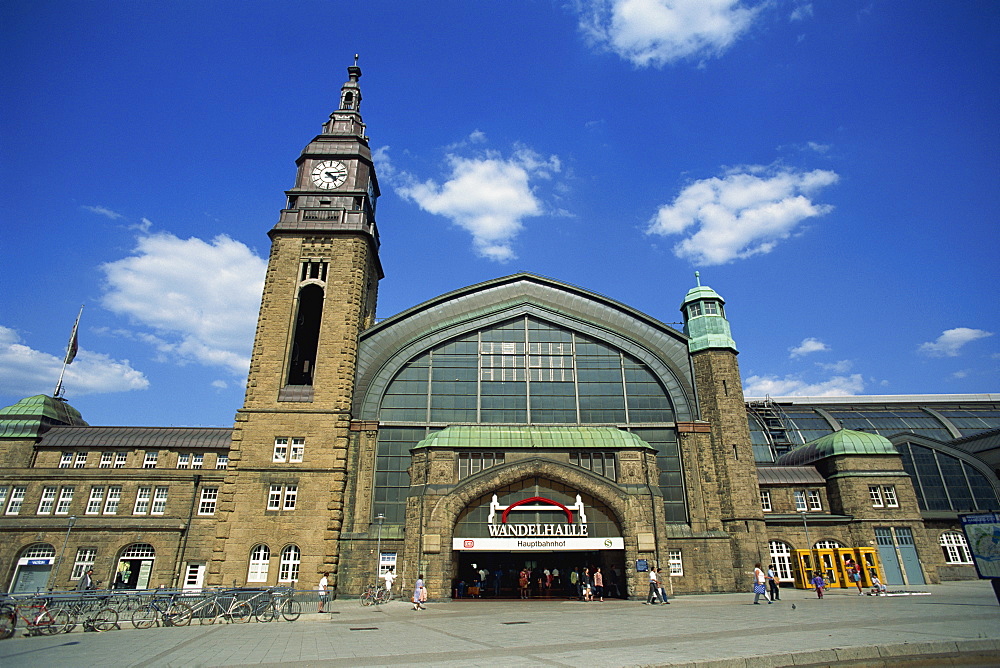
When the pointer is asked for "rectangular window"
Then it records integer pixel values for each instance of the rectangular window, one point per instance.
(48, 501)
(470, 463)
(95, 501)
(876, 495)
(601, 463)
(159, 501)
(298, 449)
(142, 501)
(280, 450)
(274, 498)
(222, 462)
(765, 500)
(66, 461)
(675, 562)
(815, 502)
(386, 562)
(291, 491)
(150, 461)
(194, 576)
(800, 501)
(114, 498)
(183, 461)
(3, 495)
(65, 499)
(80, 461)
(120, 459)
(106, 458)
(16, 499)
(209, 496)
(198, 461)
(889, 491)
(85, 557)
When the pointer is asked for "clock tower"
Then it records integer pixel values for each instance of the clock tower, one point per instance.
(285, 485)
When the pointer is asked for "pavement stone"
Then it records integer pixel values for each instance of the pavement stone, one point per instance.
(959, 619)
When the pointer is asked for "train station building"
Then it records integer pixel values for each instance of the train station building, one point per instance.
(520, 422)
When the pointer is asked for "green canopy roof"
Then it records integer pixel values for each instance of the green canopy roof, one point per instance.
(500, 438)
(843, 442)
(32, 416)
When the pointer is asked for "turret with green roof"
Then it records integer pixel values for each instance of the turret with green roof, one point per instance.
(705, 319)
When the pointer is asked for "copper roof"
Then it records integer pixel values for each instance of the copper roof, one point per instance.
(137, 437)
(789, 475)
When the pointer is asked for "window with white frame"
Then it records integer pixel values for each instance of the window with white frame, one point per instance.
(765, 500)
(80, 461)
(781, 557)
(282, 497)
(291, 491)
(198, 461)
(65, 499)
(159, 501)
(114, 498)
(675, 562)
(142, 501)
(48, 501)
(4, 489)
(184, 460)
(16, 499)
(209, 497)
(96, 500)
(386, 562)
(85, 557)
(800, 501)
(194, 576)
(815, 503)
(121, 458)
(280, 450)
(288, 570)
(150, 461)
(875, 492)
(106, 459)
(889, 492)
(827, 545)
(298, 450)
(222, 462)
(260, 558)
(66, 461)
(955, 547)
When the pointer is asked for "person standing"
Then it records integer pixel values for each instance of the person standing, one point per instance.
(854, 573)
(759, 584)
(819, 583)
(523, 580)
(87, 581)
(419, 593)
(321, 589)
(772, 583)
(599, 584)
(389, 576)
(586, 586)
(660, 582)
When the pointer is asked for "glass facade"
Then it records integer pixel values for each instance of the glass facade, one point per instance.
(519, 372)
(943, 482)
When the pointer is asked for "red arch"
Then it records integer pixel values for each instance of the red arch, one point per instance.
(569, 513)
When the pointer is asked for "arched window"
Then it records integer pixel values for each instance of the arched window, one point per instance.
(139, 551)
(956, 549)
(781, 557)
(260, 558)
(827, 545)
(945, 482)
(38, 551)
(289, 568)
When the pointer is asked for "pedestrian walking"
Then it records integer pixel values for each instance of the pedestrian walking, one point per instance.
(321, 589)
(87, 581)
(660, 581)
(419, 593)
(819, 583)
(599, 584)
(772, 583)
(759, 584)
(654, 587)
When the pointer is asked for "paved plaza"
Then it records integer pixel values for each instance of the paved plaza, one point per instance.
(956, 624)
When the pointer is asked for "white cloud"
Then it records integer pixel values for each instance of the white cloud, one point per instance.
(801, 12)
(950, 343)
(103, 210)
(808, 345)
(843, 366)
(195, 301)
(792, 386)
(658, 32)
(25, 371)
(488, 196)
(743, 213)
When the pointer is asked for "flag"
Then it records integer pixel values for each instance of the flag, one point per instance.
(74, 344)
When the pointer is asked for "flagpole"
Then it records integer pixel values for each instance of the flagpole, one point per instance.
(71, 349)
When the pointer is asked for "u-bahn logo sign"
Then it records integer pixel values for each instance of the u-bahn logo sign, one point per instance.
(506, 535)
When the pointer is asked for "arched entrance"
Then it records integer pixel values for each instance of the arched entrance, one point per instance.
(33, 567)
(548, 529)
(135, 567)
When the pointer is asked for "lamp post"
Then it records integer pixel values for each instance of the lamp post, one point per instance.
(812, 554)
(379, 520)
(69, 528)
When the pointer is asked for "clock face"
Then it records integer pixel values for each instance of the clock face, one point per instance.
(329, 174)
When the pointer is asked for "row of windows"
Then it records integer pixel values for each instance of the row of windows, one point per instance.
(470, 463)
(883, 496)
(289, 449)
(150, 460)
(260, 564)
(103, 500)
(806, 500)
(601, 463)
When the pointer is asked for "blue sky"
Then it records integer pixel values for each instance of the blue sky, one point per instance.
(830, 167)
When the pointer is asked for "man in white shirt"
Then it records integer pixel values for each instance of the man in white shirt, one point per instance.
(654, 587)
(321, 588)
(389, 576)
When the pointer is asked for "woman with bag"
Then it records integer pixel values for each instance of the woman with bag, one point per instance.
(419, 593)
(759, 584)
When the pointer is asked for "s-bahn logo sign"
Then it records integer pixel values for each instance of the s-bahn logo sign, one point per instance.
(506, 535)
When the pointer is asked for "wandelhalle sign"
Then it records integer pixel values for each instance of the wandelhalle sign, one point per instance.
(507, 536)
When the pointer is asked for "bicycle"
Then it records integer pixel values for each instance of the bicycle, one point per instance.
(213, 608)
(96, 613)
(375, 594)
(39, 620)
(282, 602)
(162, 608)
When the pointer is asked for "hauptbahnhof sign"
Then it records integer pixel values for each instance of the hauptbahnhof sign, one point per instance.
(506, 536)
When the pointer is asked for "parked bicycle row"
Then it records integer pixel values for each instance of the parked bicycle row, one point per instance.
(105, 610)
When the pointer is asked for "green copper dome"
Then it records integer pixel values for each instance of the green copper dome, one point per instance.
(33, 416)
(843, 442)
(705, 319)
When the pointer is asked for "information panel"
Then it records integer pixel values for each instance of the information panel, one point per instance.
(982, 531)
(537, 544)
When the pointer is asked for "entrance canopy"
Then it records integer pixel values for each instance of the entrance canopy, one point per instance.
(510, 437)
